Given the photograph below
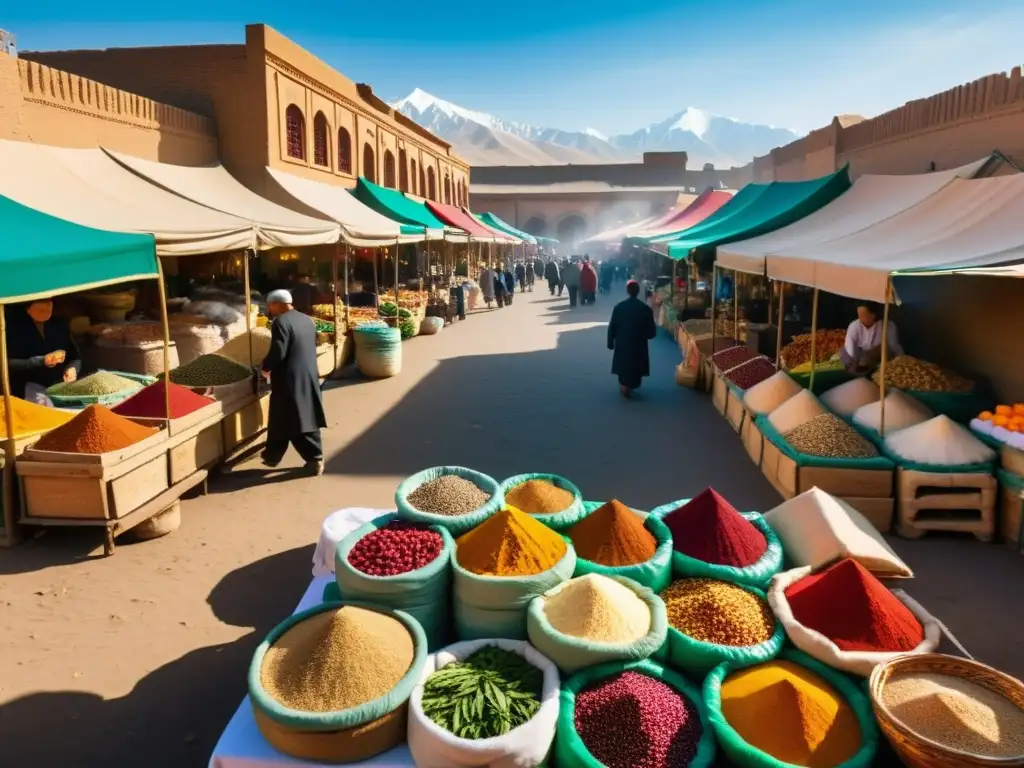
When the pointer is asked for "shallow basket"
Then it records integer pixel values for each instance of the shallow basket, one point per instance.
(924, 753)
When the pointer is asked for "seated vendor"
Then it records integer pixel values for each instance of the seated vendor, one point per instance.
(862, 351)
(40, 351)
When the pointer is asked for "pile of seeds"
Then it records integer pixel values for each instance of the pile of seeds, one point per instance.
(449, 495)
(728, 359)
(906, 372)
(751, 373)
(94, 385)
(718, 612)
(487, 695)
(211, 370)
(597, 608)
(829, 436)
(539, 497)
(337, 660)
(956, 713)
(631, 720)
(398, 547)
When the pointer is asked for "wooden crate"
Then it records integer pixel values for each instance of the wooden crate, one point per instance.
(879, 512)
(753, 440)
(719, 394)
(735, 412)
(1012, 460)
(770, 456)
(939, 501)
(247, 419)
(1011, 505)
(9, 534)
(857, 483)
(204, 450)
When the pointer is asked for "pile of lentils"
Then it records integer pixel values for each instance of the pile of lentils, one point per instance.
(211, 370)
(829, 436)
(751, 373)
(717, 612)
(539, 497)
(631, 720)
(397, 548)
(94, 385)
(449, 495)
(728, 359)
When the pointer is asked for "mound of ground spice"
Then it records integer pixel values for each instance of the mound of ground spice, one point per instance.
(600, 609)
(718, 612)
(509, 543)
(708, 528)
(854, 610)
(631, 720)
(539, 497)
(30, 418)
(95, 430)
(336, 660)
(151, 402)
(613, 535)
(791, 713)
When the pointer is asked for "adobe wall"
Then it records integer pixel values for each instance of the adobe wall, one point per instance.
(48, 106)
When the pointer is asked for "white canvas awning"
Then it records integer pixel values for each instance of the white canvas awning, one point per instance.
(871, 200)
(87, 187)
(967, 224)
(214, 187)
(361, 225)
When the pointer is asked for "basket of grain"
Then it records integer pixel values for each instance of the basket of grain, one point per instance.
(456, 498)
(944, 711)
(332, 683)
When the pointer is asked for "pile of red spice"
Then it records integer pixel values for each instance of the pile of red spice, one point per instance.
(95, 430)
(151, 402)
(708, 528)
(854, 610)
(397, 548)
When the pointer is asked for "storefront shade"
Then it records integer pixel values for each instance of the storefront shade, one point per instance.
(456, 217)
(495, 222)
(743, 199)
(696, 213)
(398, 207)
(43, 255)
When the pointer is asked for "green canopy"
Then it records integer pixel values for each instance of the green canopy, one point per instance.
(398, 207)
(43, 255)
(777, 205)
(494, 222)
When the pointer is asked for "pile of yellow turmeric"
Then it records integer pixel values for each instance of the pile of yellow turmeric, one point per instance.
(510, 543)
(31, 419)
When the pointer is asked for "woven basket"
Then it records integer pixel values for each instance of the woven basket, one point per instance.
(918, 751)
(378, 351)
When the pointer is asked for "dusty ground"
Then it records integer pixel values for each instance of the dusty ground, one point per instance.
(140, 659)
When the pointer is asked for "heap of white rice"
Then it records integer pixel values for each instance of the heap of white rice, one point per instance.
(901, 411)
(798, 410)
(939, 441)
(851, 395)
(769, 394)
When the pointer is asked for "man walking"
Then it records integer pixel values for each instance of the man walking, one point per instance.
(571, 278)
(552, 276)
(296, 406)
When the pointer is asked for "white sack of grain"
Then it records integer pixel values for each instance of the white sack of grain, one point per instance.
(901, 411)
(939, 441)
(237, 349)
(799, 409)
(769, 394)
(851, 395)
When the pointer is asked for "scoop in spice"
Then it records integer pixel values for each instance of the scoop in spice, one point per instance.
(597, 608)
(539, 497)
(613, 535)
(708, 528)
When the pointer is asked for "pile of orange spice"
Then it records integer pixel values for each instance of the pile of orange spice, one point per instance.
(509, 543)
(613, 535)
(95, 430)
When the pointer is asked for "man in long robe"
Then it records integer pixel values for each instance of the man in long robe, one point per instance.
(296, 405)
(631, 327)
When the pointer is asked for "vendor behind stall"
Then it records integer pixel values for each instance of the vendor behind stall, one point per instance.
(862, 351)
(40, 351)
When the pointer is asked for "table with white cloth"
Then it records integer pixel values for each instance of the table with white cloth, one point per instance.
(242, 745)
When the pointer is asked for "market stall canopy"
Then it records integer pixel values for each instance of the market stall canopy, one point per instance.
(212, 186)
(739, 202)
(706, 204)
(456, 217)
(870, 200)
(616, 233)
(780, 204)
(361, 225)
(495, 222)
(398, 207)
(493, 230)
(966, 225)
(44, 255)
(87, 187)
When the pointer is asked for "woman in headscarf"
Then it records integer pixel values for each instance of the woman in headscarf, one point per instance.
(40, 350)
(631, 327)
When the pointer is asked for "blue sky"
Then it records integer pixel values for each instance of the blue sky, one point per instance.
(612, 66)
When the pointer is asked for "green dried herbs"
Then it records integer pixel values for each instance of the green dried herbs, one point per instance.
(487, 695)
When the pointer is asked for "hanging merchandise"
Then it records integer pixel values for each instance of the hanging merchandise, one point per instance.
(551, 499)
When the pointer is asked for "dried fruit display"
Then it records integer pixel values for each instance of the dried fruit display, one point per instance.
(910, 373)
(730, 358)
(751, 373)
(798, 351)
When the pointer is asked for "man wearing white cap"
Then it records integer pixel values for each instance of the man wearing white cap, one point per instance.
(296, 407)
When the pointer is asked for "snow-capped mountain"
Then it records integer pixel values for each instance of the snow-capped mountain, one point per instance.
(484, 139)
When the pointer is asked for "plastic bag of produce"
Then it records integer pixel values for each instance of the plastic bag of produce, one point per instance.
(528, 745)
(569, 747)
(557, 521)
(422, 593)
(572, 654)
(824, 650)
(656, 573)
(743, 755)
(456, 524)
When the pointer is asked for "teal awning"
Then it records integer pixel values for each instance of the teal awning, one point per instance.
(398, 207)
(503, 226)
(745, 197)
(775, 205)
(43, 255)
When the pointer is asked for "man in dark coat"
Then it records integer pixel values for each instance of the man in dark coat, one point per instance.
(296, 406)
(521, 276)
(552, 276)
(631, 327)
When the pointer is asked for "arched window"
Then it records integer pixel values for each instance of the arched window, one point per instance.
(414, 178)
(431, 184)
(458, 193)
(447, 190)
(369, 164)
(320, 131)
(295, 132)
(423, 182)
(389, 169)
(403, 171)
(344, 151)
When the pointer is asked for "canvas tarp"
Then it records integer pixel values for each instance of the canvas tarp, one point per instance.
(616, 233)
(361, 225)
(456, 217)
(396, 206)
(871, 199)
(706, 204)
(739, 202)
(43, 255)
(87, 187)
(493, 230)
(212, 186)
(967, 224)
(780, 204)
(495, 222)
